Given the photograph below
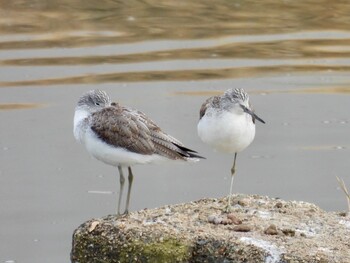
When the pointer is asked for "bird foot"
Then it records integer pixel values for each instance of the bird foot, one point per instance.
(227, 209)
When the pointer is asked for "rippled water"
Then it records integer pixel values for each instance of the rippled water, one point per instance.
(165, 58)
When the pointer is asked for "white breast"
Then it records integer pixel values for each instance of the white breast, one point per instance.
(226, 131)
(78, 128)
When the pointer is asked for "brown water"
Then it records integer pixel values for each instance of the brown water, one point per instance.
(165, 58)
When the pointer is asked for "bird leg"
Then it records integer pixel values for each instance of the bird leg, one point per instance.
(130, 179)
(233, 171)
(121, 181)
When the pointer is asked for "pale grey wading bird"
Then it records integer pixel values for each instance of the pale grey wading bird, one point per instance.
(227, 124)
(123, 137)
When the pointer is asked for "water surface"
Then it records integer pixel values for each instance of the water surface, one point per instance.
(165, 58)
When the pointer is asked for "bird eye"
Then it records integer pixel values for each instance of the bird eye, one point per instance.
(97, 103)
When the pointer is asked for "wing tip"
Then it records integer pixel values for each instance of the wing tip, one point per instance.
(188, 153)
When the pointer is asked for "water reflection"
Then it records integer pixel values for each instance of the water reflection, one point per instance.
(166, 19)
(18, 106)
(61, 33)
(178, 75)
(324, 90)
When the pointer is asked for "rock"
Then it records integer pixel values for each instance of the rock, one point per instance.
(288, 232)
(188, 233)
(242, 228)
(271, 230)
(234, 219)
(279, 205)
(343, 213)
(225, 220)
(243, 202)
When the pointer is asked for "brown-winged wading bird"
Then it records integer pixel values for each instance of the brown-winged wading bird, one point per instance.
(122, 137)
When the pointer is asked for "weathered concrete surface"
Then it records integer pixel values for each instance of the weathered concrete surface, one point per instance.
(258, 229)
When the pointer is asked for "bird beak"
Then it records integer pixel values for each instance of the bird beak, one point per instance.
(245, 109)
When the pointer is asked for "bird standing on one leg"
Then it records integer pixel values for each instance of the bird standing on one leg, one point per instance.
(227, 123)
(123, 137)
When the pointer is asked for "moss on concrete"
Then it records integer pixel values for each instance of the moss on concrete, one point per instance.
(108, 244)
(167, 251)
(199, 232)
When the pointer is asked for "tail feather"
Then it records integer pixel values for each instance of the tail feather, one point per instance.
(188, 153)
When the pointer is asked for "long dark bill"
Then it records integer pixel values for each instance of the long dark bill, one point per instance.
(245, 109)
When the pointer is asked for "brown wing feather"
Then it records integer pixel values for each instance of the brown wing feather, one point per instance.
(164, 144)
(120, 128)
(212, 101)
(134, 131)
